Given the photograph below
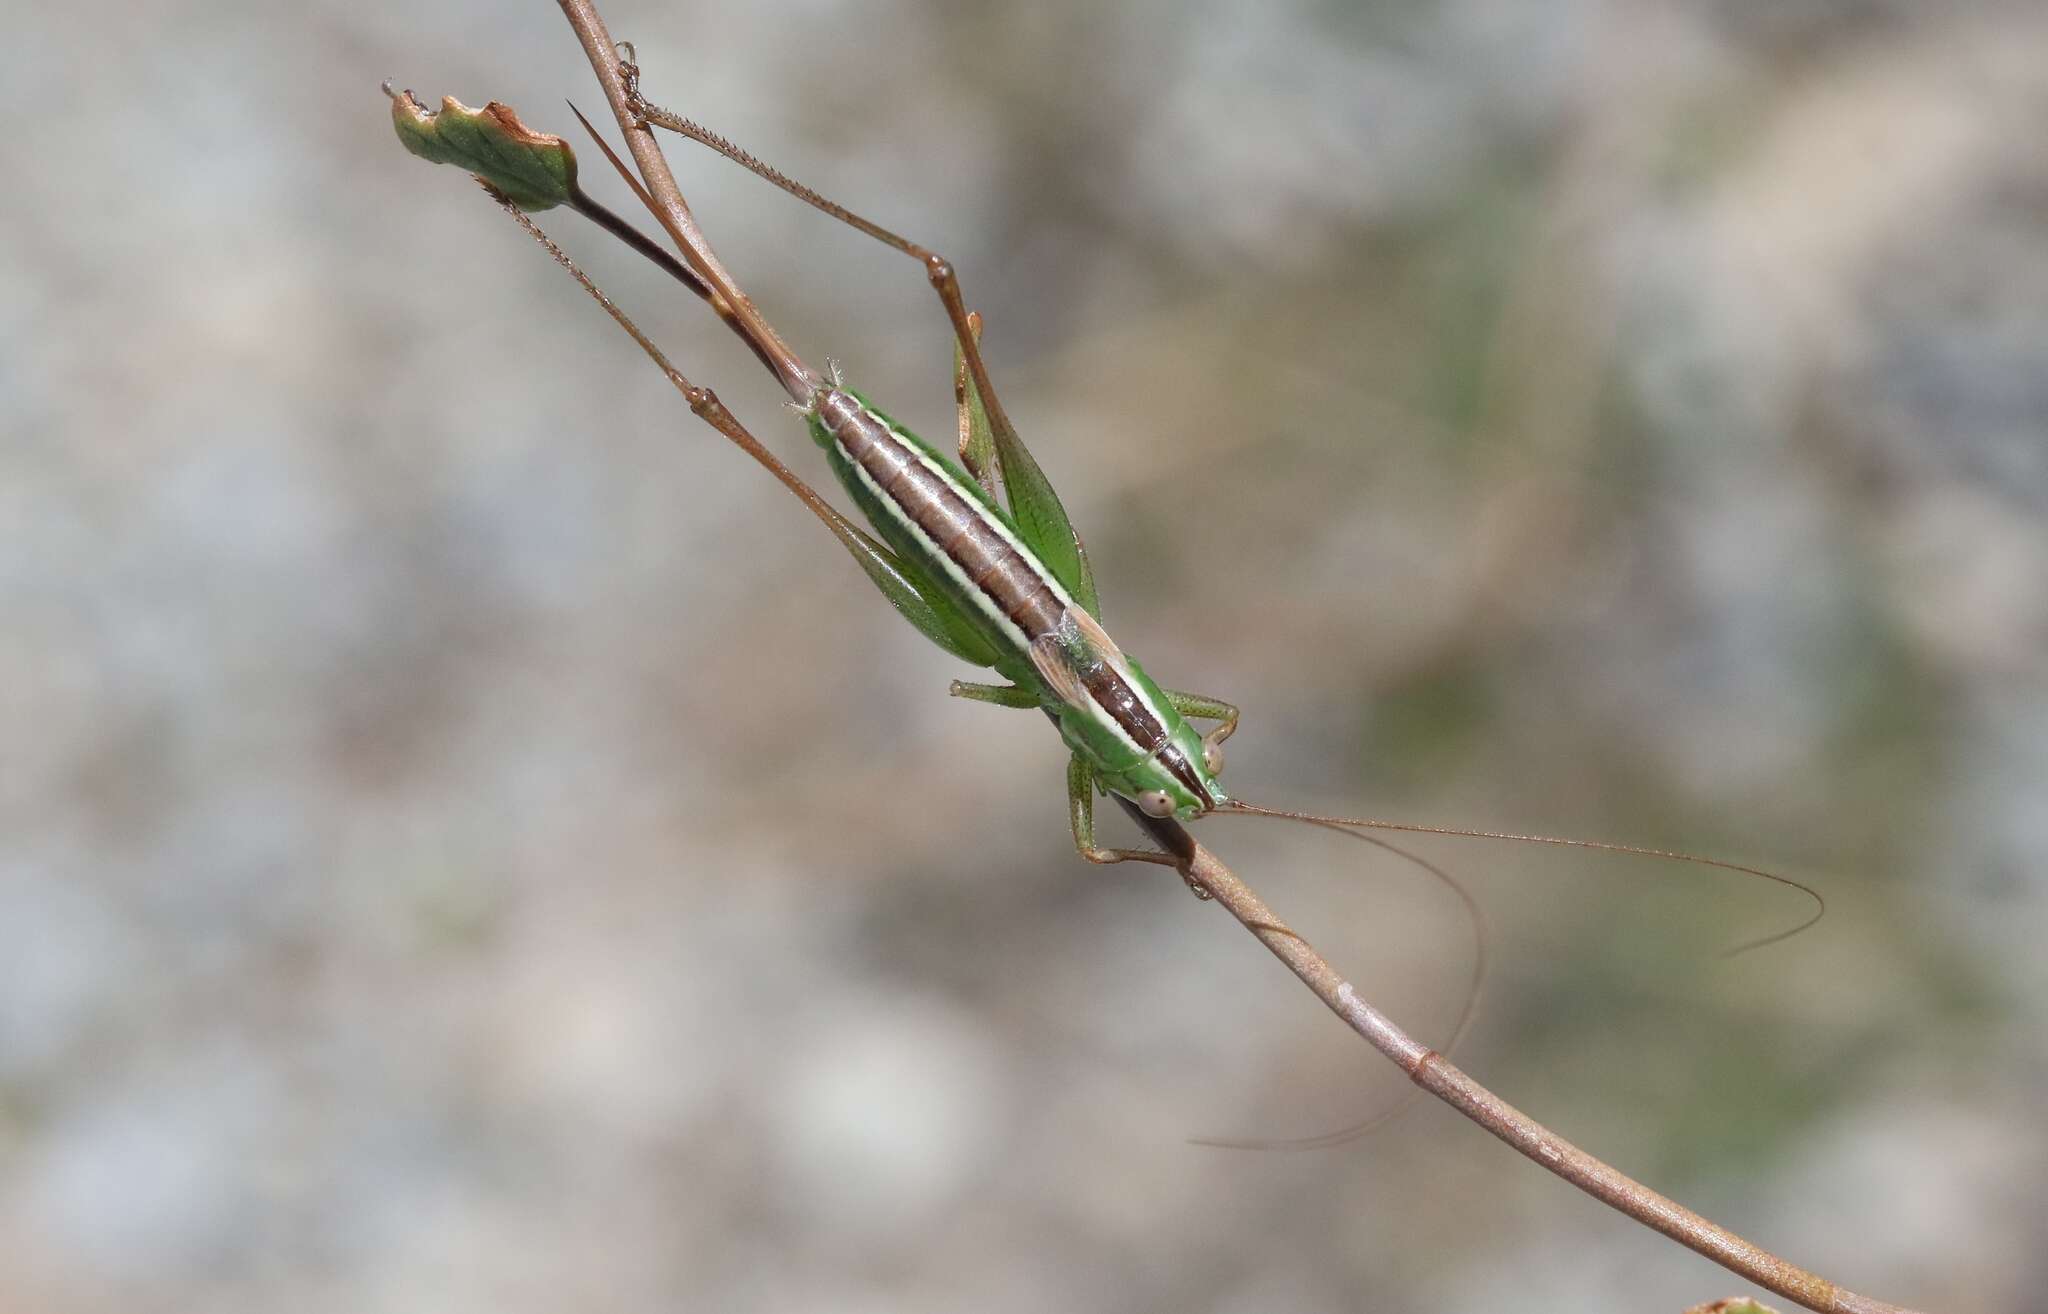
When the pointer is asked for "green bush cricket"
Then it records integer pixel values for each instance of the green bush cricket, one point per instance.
(973, 547)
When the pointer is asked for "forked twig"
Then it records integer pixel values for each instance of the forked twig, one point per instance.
(1208, 873)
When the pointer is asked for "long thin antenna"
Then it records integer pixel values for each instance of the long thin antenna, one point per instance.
(1443, 1079)
(1820, 905)
(1467, 1011)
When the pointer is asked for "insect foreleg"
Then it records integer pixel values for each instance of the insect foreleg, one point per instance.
(977, 445)
(1081, 788)
(1002, 695)
(1209, 709)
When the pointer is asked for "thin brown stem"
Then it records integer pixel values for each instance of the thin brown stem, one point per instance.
(1468, 1012)
(797, 378)
(1443, 1079)
(667, 263)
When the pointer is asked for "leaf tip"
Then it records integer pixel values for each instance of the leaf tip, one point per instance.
(536, 170)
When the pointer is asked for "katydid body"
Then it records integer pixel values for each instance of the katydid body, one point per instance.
(1004, 607)
(977, 553)
(1005, 587)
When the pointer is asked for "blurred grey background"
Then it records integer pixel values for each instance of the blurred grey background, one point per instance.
(469, 842)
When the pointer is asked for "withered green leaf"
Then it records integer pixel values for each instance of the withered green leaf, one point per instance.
(536, 170)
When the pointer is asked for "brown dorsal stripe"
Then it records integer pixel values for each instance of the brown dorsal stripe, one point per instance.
(1011, 582)
(1008, 579)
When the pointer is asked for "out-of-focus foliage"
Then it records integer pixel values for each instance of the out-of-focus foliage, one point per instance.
(468, 841)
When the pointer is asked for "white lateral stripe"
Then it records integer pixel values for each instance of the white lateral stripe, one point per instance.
(978, 596)
(987, 604)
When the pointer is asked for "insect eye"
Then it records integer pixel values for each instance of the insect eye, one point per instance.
(1212, 756)
(1154, 802)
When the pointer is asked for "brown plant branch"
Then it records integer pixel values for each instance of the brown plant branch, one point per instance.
(1203, 869)
(797, 378)
(1445, 1080)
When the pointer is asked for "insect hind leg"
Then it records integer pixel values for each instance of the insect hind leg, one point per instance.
(1019, 469)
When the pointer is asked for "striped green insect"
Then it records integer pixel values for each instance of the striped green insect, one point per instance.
(995, 597)
(972, 547)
